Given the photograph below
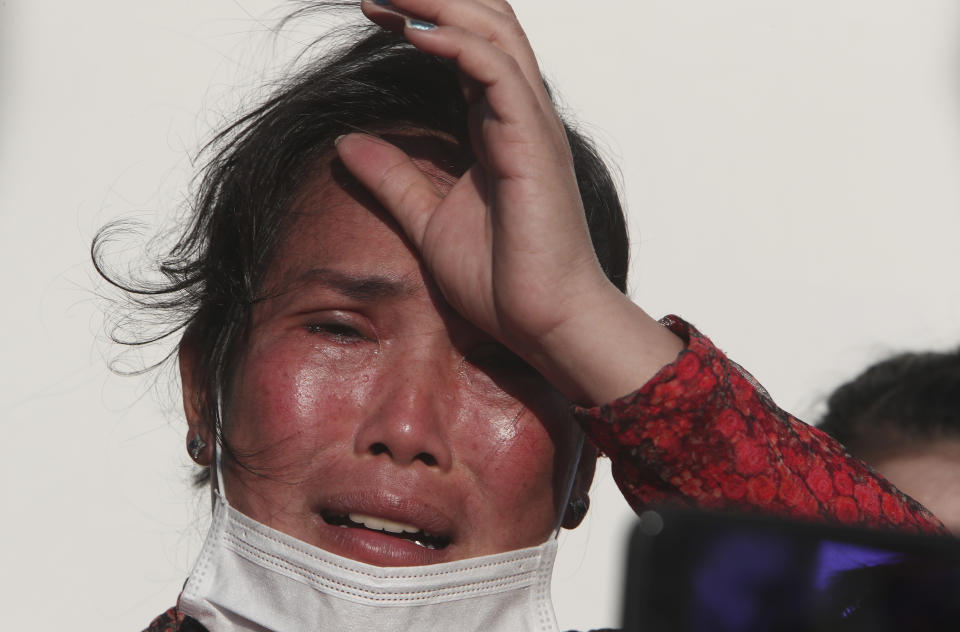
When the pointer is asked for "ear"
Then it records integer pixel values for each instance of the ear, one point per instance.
(579, 503)
(194, 399)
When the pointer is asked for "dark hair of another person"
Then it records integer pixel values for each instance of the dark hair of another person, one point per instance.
(211, 277)
(909, 398)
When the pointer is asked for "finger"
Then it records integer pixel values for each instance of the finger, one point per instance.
(384, 15)
(491, 20)
(509, 97)
(393, 179)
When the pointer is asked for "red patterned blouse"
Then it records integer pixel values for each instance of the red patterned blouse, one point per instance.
(704, 433)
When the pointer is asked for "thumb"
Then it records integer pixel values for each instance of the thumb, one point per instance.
(396, 182)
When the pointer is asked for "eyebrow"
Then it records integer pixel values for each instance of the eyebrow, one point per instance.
(364, 288)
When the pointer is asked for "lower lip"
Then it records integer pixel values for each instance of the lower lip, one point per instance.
(378, 548)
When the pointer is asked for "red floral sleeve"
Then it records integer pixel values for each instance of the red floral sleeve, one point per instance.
(703, 432)
(169, 621)
(174, 621)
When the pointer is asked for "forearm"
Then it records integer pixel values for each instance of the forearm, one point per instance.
(703, 433)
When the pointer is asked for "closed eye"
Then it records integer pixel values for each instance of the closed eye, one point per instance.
(338, 331)
(497, 359)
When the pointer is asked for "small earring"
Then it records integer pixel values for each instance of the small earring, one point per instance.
(578, 509)
(196, 446)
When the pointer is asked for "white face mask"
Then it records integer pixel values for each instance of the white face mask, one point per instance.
(252, 577)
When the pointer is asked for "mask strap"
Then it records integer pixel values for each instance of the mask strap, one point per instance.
(570, 481)
(217, 487)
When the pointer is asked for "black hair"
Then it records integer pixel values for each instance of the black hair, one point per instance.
(906, 399)
(254, 168)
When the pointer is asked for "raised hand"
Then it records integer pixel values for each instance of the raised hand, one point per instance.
(508, 245)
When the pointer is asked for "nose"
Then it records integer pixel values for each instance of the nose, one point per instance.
(413, 410)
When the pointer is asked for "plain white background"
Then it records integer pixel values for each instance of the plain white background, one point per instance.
(791, 171)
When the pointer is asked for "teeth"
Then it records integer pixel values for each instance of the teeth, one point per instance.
(382, 524)
(397, 529)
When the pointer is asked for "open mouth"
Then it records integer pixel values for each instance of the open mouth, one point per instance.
(389, 527)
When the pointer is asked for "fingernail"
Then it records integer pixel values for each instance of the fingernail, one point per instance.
(419, 25)
(383, 3)
(336, 141)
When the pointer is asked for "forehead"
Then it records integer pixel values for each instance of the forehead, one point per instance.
(334, 221)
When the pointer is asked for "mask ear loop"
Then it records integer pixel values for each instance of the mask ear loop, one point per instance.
(217, 487)
(570, 481)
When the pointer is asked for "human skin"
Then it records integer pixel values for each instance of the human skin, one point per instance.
(360, 391)
(508, 245)
(927, 471)
(501, 257)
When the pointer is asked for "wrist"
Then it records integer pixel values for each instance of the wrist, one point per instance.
(606, 348)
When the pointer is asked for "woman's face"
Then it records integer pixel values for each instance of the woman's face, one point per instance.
(378, 424)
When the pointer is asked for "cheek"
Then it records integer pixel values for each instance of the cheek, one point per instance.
(523, 418)
(288, 406)
(518, 481)
(524, 457)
